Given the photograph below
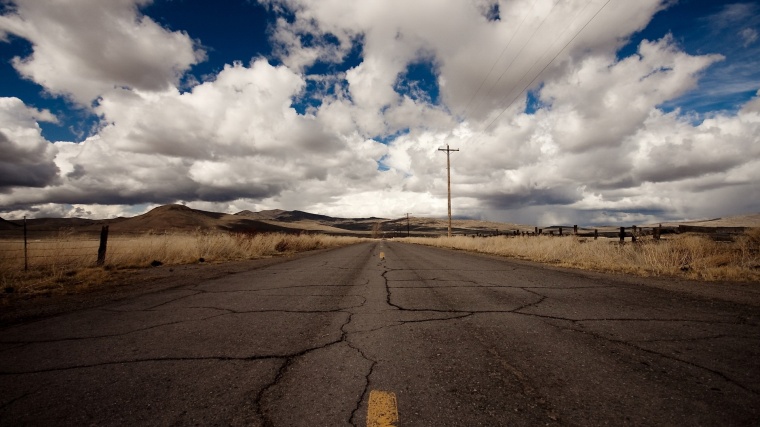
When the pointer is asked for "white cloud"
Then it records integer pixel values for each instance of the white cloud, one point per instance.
(27, 159)
(597, 147)
(85, 48)
(233, 138)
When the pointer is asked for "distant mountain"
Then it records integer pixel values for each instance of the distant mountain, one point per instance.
(57, 223)
(269, 214)
(7, 225)
(176, 218)
(294, 216)
(169, 217)
(179, 218)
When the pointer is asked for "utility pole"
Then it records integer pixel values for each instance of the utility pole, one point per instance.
(26, 253)
(407, 224)
(448, 176)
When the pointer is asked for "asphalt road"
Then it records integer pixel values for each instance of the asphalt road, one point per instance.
(460, 339)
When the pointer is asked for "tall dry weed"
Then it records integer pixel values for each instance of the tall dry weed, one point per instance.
(688, 256)
(65, 263)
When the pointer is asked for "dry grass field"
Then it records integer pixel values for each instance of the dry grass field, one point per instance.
(686, 256)
(66, 264)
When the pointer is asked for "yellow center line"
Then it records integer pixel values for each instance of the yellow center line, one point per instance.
(382, 255)
(382, 410)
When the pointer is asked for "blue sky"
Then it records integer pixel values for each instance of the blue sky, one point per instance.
(338, 107)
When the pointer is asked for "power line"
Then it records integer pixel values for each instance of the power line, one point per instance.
(547, 65)
(525, 45)
(474, 94)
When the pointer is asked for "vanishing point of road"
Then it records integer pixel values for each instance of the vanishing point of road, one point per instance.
(387, 333)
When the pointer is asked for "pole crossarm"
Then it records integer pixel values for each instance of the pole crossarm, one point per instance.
(448, 151)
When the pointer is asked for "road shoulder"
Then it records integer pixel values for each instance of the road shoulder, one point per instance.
(746, 293)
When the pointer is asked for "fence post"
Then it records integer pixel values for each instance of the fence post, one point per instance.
(656, 232)
(633, 234)
(596, 234)
(575, 229)
(26, 253)
(103, 245)
(560, 231)
(622, 234)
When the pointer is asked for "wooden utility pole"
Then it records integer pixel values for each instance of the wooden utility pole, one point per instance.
(26, 252)
(448, 176)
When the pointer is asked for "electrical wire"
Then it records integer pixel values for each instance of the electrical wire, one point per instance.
(546, 66)
(474, 94)
(525, 45)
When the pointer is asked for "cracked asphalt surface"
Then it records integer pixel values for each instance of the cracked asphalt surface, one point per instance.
(461, 339)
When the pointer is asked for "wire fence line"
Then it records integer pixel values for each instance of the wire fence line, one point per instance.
(22, 248)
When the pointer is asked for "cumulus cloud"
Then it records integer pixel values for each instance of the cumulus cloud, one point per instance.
(592, 143)
(27, 159)
(232, 138)
(85, 48)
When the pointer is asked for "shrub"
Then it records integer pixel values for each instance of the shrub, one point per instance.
(690, 256)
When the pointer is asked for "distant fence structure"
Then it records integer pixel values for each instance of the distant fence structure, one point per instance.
(35, 246)
(633, 232)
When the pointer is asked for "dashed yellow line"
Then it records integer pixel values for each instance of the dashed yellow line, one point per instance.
(382, 410)
(382, 255)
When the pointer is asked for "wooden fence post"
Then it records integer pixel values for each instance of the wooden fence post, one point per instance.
(622, 234)
(103, 245)
(575, 229)
(560, 231)
(26, 251)
(596, 234)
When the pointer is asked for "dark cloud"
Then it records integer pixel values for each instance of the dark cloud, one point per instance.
(22, 167)
(535, 196)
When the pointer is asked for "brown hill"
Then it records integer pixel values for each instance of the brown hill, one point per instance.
(7, 225)
(749, 220)
(179, 218)
(168, 217)
(269, 214)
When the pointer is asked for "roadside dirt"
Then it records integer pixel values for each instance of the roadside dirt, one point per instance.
(124, 284)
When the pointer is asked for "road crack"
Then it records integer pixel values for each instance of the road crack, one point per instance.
(145, 360)
(200, 319)
(667, 356)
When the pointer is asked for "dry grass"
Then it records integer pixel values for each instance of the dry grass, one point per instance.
(687, 256)
(65, 264)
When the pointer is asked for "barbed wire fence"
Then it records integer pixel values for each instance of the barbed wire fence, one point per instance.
(24, 248)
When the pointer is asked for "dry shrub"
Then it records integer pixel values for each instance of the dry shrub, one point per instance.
(689, 256)
(281, 246)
